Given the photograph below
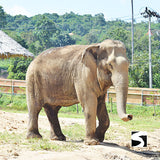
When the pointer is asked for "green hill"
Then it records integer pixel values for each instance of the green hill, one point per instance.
(40, 32)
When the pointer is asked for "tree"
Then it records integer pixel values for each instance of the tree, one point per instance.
(119, 33)
(100, 20)
(44, 30)
(2, 17)
(18, 68)
(62, 40)
(18, 38)
(92, 36)
(139, 72)
(52, 30)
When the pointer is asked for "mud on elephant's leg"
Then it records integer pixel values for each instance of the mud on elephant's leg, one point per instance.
(33, 131)
(52, 114)
(103, 119)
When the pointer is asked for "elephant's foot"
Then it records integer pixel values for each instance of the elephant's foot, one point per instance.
(93, 141)
(100, 136)
(58, 138)
(32, 134)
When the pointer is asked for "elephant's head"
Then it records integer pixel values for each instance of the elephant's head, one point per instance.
(112, 69)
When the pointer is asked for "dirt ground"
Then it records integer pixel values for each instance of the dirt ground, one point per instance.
(117, 149)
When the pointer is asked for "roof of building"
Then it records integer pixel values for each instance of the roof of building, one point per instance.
(11, 48)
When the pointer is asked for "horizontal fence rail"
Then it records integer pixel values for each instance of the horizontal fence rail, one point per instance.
(9, 86)
(140, 96)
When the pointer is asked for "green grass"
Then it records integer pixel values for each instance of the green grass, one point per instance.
(17, 139)
(71, 115)
(138, 123)
(74, 132)
(46, 144)
(143, 118)
(17, 103)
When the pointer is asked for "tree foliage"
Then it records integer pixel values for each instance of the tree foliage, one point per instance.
(2, 17)
(44, 30)
(60, 40)
(40, 32)
(18, 68)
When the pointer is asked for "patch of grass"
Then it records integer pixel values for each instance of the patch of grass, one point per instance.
(46, 144)
(71, 115)
(19, 103)
(9, 102)
(5, 100)
(138, 123)
(143, 118)
(74, 132)
(110, 134)
(143, 124)
(11, 138)
(20, 140)
(137, 110)
(73, 109)
(143, 111)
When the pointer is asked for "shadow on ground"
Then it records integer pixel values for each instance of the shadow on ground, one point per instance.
(147, 153)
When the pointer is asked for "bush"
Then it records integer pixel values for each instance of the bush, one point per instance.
(5, 100)
(16, 102)
(18, 68)
(19, 102)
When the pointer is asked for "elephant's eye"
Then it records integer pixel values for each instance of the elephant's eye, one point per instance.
(110, 65)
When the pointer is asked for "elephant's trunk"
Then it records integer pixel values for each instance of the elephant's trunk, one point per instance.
(121, 98)
(120, 82)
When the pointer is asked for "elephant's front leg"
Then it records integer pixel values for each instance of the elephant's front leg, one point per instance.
(103, 118)
(90, 110)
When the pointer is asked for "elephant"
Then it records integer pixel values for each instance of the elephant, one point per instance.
(74, 74)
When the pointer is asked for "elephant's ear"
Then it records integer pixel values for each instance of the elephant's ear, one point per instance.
(90, 51)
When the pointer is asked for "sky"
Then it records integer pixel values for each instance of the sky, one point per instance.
(111, 9)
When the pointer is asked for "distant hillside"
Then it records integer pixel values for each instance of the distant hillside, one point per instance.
(40, 32)
(43, 31)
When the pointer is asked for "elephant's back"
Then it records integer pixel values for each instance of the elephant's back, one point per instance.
(57, 64)
(64, 51)
(58, 58)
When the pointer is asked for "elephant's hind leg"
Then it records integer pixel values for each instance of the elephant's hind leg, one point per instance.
(52, 114)
(33, 131)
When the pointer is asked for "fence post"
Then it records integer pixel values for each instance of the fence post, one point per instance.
(12, 90)
(142, 98)
(154, 106)
(111, 104)
(77, 108)
(154, 110)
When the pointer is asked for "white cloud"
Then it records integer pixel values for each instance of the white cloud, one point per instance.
(16, 10)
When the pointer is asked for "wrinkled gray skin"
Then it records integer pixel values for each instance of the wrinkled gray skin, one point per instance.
(77, 74)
